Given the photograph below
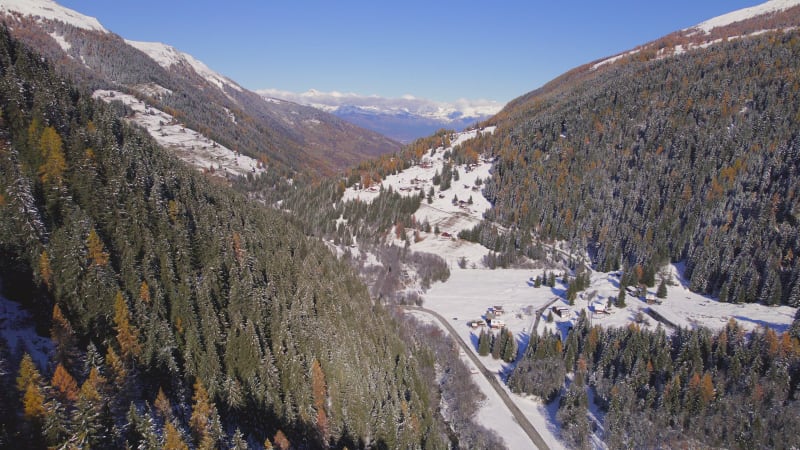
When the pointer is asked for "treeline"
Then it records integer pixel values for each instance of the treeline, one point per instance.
(182, 314)
(690, 158)
(727, 389)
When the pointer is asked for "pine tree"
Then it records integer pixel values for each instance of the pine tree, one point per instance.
(63, 337)
(127, 334)
(45, 271)
(621, 297)
(510, 349)
(662, 290)
(281, 441)
(319, 393)
(65, 386)
(28, 373)
(144, 293)
(498, 343)
(53, 154)
(238, 442)
(173, 439)
(163, 406)
(204, 419)
(96, 249)
(483, 343)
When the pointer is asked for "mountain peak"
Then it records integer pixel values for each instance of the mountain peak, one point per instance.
(166, 56)
(739, 15)
(50, 10)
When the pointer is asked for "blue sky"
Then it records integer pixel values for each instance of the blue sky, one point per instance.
(441, 50)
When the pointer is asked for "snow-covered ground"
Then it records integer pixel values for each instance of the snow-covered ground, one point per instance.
(493, 413)
(449, 216)
(188, 144)
(17, 329)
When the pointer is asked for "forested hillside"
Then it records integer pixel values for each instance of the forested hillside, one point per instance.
(692, 388)
(180, 312)
(290, 137)
(688, 158)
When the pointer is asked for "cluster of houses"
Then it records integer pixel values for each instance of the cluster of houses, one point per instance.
(490, 319)
(641, 292)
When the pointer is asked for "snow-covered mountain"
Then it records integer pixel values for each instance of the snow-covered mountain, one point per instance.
(291, 137)
(768, 16)
(769, 7)
(50, 10)
(405, 118)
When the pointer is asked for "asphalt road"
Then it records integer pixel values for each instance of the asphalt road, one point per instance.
(523, 421)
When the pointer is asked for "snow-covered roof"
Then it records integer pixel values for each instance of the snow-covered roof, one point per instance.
(50, 10)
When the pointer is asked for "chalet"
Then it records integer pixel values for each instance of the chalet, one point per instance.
(561, 311)
(498, 310)
(477, 323)
(653, 301)
(497, 323)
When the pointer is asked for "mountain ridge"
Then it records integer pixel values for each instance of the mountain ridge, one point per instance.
(405, 118)
(291, 139)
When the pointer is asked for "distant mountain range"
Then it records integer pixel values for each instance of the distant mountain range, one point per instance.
(403, 119)
(287, 136)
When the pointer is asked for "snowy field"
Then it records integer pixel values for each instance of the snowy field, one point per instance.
(188, 145)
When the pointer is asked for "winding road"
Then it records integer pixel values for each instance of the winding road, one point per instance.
(523, 421)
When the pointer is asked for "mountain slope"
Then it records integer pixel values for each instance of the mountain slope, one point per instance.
(665, 155)
(179, 310)
(288, 137)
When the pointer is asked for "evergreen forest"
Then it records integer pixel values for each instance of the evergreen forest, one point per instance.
(692, 158)
(182, 314)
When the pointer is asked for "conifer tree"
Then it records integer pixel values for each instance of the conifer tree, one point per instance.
(621, 297)
(173, 439)
(498, 343)
(127, 334)
(97, 253)
(52, 150)
(281, 441)
(319, 393)
(64, 339)
(45, 271)
(65, 386)
(510, 348)
(662, 290)
(483, 343)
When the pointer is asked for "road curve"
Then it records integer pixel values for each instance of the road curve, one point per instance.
(523, 421)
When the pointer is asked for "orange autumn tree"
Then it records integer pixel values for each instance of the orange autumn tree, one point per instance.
(55, 163)
(29, 384)
(66, 388)
(97, 252)
(319, 393)
(127, 334)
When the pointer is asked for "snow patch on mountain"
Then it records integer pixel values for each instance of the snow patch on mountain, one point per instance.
(167, 56)
(49, 10)
(66, 46)
(405, 105)
(189, 145)
(771, 6)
